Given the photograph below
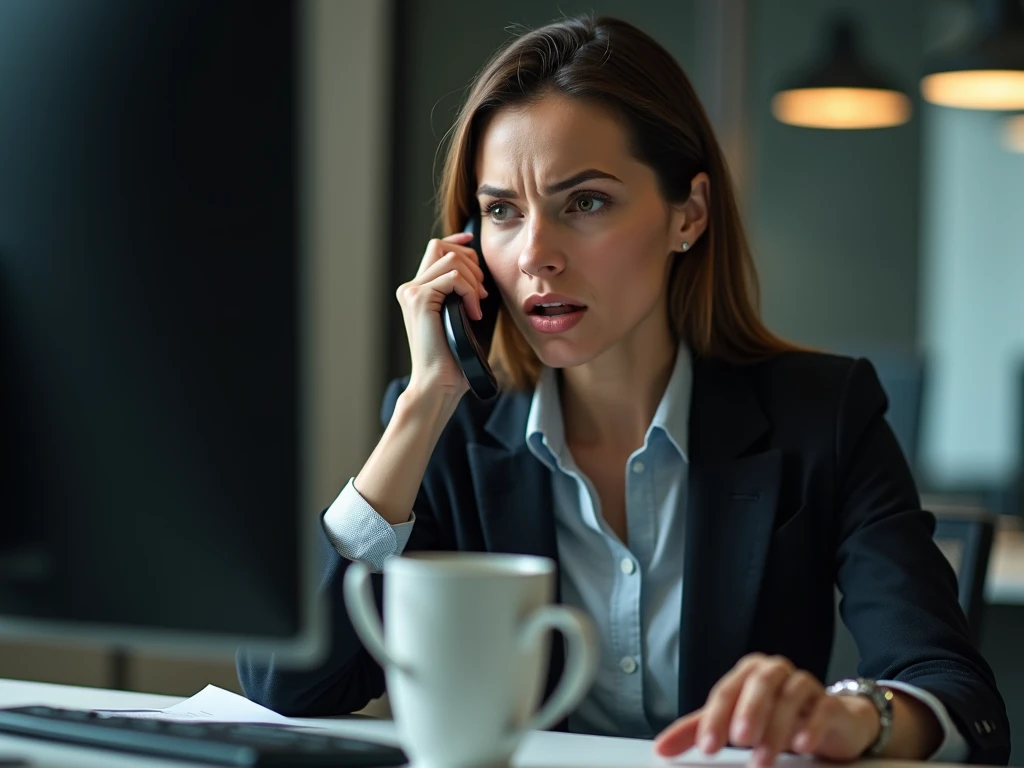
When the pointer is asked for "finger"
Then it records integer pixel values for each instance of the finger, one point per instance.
(809, 736)
(455, 282)
(798, 697)
(439, 250)
(714, 725)
(680, 736)
(460, 240)
(458, 237)
(453, 260)
(758, 700)
(436, 249)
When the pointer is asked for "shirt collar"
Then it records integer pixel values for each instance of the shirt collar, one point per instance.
(545, 427)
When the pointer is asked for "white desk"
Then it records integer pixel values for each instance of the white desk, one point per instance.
(539, 750)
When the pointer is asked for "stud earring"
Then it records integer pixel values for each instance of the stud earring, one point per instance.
(686, 246)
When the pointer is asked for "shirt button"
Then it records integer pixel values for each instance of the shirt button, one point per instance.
(627, 566)
(638, 466)
(628, 665)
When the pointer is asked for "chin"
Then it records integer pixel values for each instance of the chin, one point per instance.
(563, 353)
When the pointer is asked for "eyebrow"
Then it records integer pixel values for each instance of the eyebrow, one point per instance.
(560, 186)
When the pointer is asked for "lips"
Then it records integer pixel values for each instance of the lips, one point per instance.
(551, 310)
(559, 323)
(551, 304)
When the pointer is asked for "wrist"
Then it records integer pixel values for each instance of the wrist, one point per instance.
(917, 734)
(426, 406)
(865, 714)
(879, 722)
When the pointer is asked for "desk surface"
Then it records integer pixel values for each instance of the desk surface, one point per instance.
(539, 749)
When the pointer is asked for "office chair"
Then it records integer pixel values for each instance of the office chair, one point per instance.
(965, 537)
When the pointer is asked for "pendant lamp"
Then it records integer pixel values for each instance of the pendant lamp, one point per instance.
(841, 91)
(987, 73)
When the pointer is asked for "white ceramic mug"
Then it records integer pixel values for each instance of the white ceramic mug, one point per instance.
(464, 651)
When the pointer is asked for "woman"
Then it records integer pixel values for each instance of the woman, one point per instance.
(702, 483)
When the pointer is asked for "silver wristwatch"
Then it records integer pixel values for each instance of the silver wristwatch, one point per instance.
(880, 697)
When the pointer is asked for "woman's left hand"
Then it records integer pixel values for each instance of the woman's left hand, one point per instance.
(768, 705)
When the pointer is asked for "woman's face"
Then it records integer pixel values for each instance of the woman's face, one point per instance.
(570, 218)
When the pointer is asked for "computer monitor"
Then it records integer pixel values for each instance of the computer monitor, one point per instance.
(155, 417)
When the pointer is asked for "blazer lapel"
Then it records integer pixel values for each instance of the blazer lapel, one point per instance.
(511, 486)
(513, 494)
(730, 508)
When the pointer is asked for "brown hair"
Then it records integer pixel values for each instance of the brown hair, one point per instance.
(713, 287)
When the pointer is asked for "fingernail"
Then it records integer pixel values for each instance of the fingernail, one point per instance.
(741, 730)
(800, 742)
(707, 743)
(763, 757)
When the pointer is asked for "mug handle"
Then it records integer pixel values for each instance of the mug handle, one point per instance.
(362, 609)
(580, 665)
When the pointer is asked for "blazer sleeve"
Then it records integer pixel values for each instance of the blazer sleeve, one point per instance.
(347, 678)
(899, 592)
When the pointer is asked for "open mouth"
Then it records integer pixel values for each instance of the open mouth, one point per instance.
(553, 310)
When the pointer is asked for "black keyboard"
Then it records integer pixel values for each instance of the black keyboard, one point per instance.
(220, 743)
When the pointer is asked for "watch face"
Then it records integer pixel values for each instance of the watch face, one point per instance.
(847, 687)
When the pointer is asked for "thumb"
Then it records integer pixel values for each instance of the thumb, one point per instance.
(680, 736)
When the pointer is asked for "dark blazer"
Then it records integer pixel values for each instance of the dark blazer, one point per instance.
(796, 485)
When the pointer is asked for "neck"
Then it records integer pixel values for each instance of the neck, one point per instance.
(611, 400)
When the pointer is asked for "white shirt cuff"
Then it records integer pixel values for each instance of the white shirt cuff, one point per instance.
(954, 748)
(357, 532)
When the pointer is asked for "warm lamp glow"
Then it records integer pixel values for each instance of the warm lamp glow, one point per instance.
(841, 108)
(1013, 133)
(976, 89)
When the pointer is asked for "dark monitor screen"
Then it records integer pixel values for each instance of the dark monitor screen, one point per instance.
(150, 353)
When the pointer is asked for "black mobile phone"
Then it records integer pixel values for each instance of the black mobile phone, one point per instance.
(470, 340)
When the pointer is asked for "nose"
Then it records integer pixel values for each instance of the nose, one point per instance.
(541, 256)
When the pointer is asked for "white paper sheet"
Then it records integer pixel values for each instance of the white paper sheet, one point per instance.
(211, 705)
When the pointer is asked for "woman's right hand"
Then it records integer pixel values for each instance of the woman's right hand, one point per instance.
(449, 265)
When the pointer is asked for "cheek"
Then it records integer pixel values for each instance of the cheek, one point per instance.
(630, 264)
(504, 270)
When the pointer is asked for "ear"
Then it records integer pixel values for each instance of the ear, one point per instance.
(690, 219)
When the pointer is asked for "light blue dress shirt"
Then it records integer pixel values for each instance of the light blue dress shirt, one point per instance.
(634, 593)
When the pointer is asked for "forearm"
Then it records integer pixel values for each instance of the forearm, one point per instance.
(344, 681)
(391, 477)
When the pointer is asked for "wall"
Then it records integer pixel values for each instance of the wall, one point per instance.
(833, 215)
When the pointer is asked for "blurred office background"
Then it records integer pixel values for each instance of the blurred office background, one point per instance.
(904, 243)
